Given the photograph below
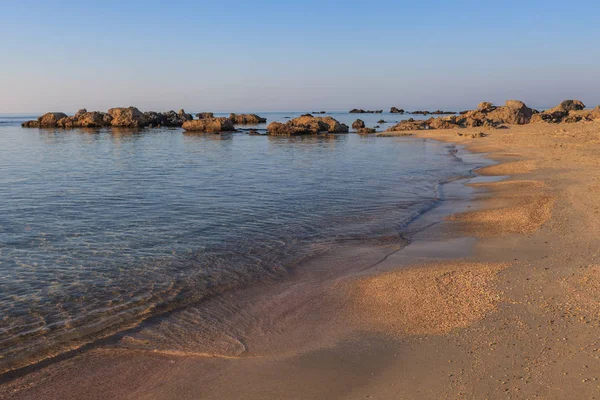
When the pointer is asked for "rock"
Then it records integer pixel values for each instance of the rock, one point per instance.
(361, 111)
(307, 125)
(358, 124)
(478, 135)
(214, 125)
(381, 121)
(420, 113)
(48, 120)
(253, 132)
(365, 130)
(169, 118)
(246, 119)
(567, 111)
(129, 117)
(440, 112)
(205, 115)
(395, 110)
(31, 124)
(319, 112)
(568, 105)
(85, 119)
(409, 125)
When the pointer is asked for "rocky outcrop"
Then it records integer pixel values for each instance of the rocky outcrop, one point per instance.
(48, 120)
(395, 110)
(129, 117)
(567, 111)
(307, 125)
(361, 111)
(486, 115)
(358, 124)
(85, 119)
(246, 119)
(409, 125)
(212, 125)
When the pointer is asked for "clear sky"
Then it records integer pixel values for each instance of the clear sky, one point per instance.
(226, 55)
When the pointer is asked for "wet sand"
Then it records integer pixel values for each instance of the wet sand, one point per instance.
(499, 301)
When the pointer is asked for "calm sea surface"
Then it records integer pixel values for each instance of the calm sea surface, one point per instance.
(100, 229)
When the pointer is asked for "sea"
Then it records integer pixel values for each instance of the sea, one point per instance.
(101, 229)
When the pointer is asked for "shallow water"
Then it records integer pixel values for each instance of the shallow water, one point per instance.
(100, 229)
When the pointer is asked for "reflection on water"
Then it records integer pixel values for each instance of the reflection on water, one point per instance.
(102, 228)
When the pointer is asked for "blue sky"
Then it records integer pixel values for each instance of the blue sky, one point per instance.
(276, 55)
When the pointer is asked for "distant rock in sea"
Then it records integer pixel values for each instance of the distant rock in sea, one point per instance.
(395, 110)
(361, 111)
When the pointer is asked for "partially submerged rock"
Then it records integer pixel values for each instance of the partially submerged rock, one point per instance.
(169, 118)
(48, 120)
(361, 111)
(395, 110)
(213, 125)
(358, 124)
(129, 117)
(246, 119)
(85, 119)
(307, 125)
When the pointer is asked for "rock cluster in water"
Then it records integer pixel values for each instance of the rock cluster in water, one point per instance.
(361, 111)
(131, 117)
(307, 124)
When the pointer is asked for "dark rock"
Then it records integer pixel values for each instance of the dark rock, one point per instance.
(395, 110)
(205, 115)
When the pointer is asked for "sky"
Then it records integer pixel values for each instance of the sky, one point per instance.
(295, 55)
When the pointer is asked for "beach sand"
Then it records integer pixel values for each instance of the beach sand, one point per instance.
(517, 316)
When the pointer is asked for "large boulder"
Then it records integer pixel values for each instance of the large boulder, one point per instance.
(358, 124)
(306, 125)
(213, 125)
(129, 117)
(514, 112)
(246, 119)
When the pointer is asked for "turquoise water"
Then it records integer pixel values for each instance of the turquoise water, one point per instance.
(100, 229)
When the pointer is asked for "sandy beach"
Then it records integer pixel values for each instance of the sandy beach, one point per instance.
(498, 301)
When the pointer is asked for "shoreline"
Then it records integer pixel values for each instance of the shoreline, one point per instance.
(523, 311)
